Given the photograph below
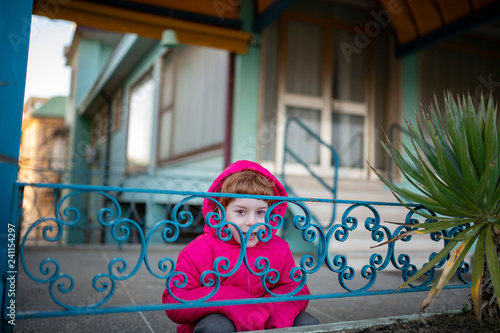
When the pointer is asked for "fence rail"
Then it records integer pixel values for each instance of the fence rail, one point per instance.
(359, 217)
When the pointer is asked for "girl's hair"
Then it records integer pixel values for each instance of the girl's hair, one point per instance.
(246, 182)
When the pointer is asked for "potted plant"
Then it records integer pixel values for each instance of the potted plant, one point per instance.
(458, 177)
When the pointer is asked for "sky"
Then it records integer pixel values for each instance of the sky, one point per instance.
(48, 75)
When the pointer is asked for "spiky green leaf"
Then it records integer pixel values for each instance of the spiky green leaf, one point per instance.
(477, 275)
(492, 261)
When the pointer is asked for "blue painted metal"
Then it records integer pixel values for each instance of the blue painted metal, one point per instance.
(15, 26)
(289, 151)
(65, 217)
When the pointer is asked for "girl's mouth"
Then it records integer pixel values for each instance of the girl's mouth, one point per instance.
(253, 235)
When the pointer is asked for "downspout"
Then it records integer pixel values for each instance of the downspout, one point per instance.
(109, 127)
(229, 111)
(107, 157)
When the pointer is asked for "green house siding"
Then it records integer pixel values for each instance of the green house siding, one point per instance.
(410, 98)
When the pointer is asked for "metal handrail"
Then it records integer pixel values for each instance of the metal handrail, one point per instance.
(289, 151)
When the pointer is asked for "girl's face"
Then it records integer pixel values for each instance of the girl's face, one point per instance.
(245, 213)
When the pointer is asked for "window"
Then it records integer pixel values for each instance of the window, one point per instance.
(348, 139)
(95, 129)
(104, 123)
(193, 101)
(348, 72)
(166, 108)
(323, 89)
(349, 110)
(300, 142)
(304, 59)
(117, 111)
(140, 122)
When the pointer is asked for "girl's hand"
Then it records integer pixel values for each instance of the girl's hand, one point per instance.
(252, 317)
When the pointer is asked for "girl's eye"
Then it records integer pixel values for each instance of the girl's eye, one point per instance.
(261, 212)
(240, 211)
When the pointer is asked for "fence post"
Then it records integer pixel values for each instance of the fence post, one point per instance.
(14, 42)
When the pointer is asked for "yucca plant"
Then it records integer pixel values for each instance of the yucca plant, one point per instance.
(458, 177)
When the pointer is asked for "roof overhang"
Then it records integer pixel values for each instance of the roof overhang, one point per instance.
(129, 51)
(418, 24)
(216, 23)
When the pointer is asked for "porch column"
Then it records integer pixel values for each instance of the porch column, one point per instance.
(246, 94)
(410, 92)
(15, 18)
(410, 87)
(410, 99)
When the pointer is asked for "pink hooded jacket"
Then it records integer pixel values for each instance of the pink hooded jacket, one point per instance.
(199, 255)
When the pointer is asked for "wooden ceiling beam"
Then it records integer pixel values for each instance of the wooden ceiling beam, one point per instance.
(425, 15)
(457, 27)
(401, 20)
(146, 25)
(478, 4)
(452, 10)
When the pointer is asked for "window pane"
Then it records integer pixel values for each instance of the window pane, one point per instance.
(200, 99)
(348, 69)
(167, 81)
(348, 139)
(304, 56)
(165, 135)
(140, 123)
(298, 140)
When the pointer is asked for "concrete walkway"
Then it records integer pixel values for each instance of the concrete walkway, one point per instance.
(83, 263)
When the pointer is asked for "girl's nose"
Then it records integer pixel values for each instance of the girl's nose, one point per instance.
(251, 220)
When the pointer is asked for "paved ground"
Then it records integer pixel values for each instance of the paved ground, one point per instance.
(83, 264)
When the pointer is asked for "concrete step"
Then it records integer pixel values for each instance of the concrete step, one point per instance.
(347, 189)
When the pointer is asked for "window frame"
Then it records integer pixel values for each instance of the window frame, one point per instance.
(144, 78)
(325, 102)
(205, 151)
(170, 108)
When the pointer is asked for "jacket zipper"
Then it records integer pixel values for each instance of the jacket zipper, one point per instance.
(248, 281)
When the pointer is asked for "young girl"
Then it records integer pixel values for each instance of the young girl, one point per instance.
(242, 177)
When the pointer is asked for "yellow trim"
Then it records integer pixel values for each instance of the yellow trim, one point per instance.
(146, 25)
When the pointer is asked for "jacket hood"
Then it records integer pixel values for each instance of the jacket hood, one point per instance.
(279, 190)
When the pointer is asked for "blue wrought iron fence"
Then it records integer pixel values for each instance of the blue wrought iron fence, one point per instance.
(289, 152)
(359, 216)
